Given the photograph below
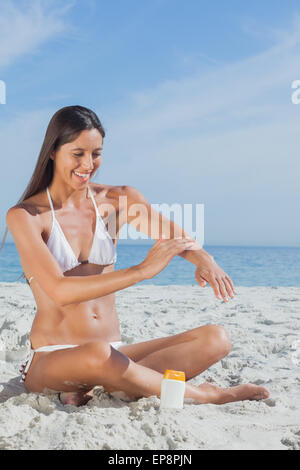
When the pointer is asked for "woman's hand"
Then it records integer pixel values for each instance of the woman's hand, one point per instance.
(161, 254)
(220, 282)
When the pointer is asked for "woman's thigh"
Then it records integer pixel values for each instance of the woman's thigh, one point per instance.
(137, 352)
(73, 369)
(78, 368)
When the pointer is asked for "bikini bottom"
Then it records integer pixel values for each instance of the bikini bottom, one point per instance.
(54, 347)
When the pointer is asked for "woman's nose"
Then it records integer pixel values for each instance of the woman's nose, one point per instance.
(88, 162)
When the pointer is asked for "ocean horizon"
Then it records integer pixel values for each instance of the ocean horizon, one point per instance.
(246, 265)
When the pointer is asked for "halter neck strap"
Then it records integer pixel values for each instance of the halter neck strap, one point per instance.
(90, 194)
(92, 197)
(50, 201)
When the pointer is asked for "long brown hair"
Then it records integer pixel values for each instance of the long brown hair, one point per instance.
(64, 127)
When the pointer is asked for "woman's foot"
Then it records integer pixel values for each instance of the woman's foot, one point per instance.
(219, 396)
(75, 398)
(208, 393)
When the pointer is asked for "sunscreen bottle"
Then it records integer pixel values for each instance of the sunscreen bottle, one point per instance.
(172, 389)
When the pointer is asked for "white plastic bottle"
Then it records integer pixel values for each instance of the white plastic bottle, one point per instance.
(172, 389)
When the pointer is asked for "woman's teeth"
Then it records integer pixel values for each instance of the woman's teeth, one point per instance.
(83, 176)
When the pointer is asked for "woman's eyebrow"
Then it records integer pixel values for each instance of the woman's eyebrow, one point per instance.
(79, 148)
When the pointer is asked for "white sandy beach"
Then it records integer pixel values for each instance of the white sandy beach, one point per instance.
(264, 325)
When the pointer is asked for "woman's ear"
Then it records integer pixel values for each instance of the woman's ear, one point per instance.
(52, 155)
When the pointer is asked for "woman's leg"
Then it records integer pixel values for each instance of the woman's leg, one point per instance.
(193, 351)
(96, 363)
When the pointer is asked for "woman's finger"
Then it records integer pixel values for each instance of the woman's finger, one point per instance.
(231, 283)
(228, 287)
(215, 286)
(222, 289)
(200, 279)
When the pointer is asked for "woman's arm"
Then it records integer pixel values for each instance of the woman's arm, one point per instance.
(143, 217)
(76, 289)
(38, 261)
(156, 260)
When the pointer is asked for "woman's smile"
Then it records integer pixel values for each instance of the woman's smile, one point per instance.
(81, 176)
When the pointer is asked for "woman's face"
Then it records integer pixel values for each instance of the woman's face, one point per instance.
(76, 162)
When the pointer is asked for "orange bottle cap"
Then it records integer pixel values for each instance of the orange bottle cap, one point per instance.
(174, 375)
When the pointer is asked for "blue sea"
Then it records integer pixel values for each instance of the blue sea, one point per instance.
(246, 265)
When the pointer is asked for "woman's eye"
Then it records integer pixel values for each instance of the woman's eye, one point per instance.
(97, 155)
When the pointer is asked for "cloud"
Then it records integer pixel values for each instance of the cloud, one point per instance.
(249, 94)
(24, 26)
(193, 101)
(227, 137)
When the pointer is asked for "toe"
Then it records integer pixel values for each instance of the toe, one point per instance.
(262, 395)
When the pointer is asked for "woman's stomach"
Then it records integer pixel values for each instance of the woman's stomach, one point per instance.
(77, 323)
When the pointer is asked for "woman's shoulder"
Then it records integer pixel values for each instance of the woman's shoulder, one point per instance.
(107, 195)
(34, 205)
(31, 209)
(38, 204)
(108, 191)
(27, 211)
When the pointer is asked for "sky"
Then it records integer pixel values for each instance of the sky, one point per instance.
(195, 98)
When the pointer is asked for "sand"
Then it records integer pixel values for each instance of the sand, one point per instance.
(264, 326)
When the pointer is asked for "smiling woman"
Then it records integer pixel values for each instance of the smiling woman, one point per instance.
(68, 254)
(81, 162)
(79, 154)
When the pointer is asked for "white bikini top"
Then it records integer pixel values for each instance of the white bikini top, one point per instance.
(103, 251)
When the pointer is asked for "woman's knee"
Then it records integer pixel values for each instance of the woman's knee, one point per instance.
(219, 340)
(104, 363)
(96, 354)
